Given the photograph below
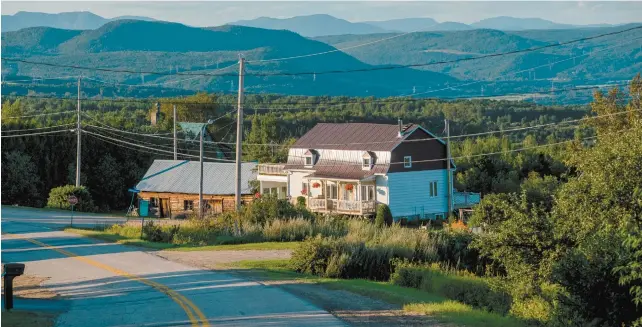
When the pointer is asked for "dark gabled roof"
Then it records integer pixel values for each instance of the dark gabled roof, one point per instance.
(353, 136)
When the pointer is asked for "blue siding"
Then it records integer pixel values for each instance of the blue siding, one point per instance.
(409, 193)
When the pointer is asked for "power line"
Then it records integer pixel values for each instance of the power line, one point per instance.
(524, 70)
(113, 134)
(329, 71)
(330, 51)
(38, 115)
(149, 148)
(156, 84)
(34, 134)
(335, 103)
(34, 129)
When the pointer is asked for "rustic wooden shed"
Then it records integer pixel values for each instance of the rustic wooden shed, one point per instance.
(171, 186)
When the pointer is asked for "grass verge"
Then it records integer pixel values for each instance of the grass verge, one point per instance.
(110, 237)
(16, 318)
(410, 299)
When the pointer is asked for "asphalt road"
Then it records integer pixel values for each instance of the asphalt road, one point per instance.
(106, 284)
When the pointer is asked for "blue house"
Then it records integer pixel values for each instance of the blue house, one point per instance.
(350, 168)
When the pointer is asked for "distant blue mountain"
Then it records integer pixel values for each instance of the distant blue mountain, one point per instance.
(404, 24)
(506, 23)
(312, 25)
(79, 20)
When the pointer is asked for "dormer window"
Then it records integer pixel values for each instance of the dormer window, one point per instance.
(367, 161)
(310, 158)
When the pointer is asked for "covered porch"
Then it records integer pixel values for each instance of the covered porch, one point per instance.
(342, 196)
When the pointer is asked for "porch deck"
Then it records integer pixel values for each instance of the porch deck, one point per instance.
(342, 206)
(465, 200)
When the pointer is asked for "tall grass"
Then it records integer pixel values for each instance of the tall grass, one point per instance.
(222, 231)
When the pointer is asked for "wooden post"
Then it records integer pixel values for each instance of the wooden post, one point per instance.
(324, 184)
(358, 196)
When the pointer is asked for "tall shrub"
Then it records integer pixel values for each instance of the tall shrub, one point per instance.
(384, 216)
(58, 198)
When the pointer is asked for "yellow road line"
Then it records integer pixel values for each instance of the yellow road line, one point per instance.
(188, 306)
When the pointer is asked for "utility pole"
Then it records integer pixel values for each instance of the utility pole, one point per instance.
(239, 133)
(175, 141)
(78, 139)
(450, 186)
(200, 186)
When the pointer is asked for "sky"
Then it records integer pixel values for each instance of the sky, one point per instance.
(212, 13)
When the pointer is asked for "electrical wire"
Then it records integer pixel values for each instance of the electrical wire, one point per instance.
(369, 69)
(331, 51)
(38, 115)
(524, 70)
(146, 147)
(35, 134)
(35, 129)
(155, 84)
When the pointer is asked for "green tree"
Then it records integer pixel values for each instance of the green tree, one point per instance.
(20, 181)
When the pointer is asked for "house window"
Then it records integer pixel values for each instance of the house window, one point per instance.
(308, 160)
(332, 191)
(188, 205)
(284, 192)
(433, 189)
(407, 162)
(367, 192)
(367, 163)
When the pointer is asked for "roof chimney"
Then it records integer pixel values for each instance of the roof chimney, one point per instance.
(400, 127)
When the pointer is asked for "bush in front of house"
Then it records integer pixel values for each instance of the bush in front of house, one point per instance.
(384, 216)
(268, 208)
(58, 198)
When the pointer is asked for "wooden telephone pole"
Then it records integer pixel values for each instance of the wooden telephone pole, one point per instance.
(239, 134)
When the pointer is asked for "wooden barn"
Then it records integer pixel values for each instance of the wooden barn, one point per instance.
(171, 187)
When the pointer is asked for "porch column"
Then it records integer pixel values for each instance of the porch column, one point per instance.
(260, 187)
(359, 197)
(324, 189)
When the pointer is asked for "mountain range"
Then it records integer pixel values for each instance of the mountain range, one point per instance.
(309, 26)
(281, 61)
(80, 20)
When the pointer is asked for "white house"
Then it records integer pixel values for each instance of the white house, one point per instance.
(350, 168)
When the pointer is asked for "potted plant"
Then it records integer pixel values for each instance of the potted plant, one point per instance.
(349, 187)
(316, 185)
(304, 192)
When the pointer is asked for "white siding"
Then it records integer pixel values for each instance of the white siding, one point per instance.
(382, 189)
(410, 193)
(355, 156)
(296, 180)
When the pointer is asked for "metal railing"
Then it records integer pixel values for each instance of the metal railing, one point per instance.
(465, 199)
(271, 169)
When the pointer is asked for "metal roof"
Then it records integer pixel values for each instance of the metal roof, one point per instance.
(179, 176)
(354, 136)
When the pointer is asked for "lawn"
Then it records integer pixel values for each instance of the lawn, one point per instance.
(412, 300)
(16, 318)
(110, 237)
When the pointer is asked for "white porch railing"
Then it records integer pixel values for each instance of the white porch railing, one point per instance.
(271, 169)
(342, 206)
(317, 204)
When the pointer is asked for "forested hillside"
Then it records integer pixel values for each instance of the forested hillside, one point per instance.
(172, 48)
(613, 57)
